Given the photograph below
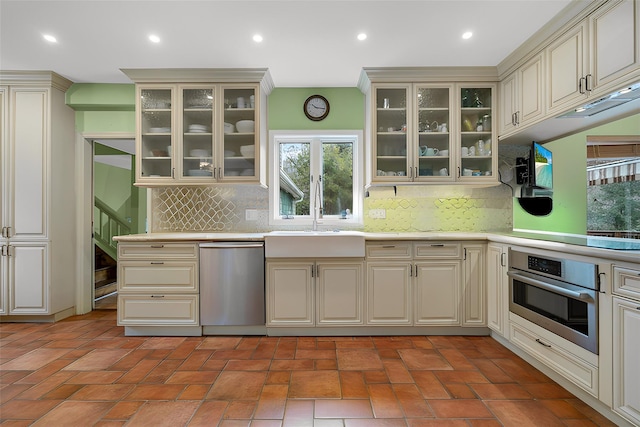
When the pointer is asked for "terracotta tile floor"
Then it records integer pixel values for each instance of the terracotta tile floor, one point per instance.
(83, 371)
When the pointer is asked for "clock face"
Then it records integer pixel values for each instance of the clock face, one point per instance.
(316, 107)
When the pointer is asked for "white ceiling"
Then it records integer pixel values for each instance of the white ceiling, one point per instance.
(307, 43)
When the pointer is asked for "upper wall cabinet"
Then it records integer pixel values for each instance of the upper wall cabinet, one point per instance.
(595, 56)
(522, 96)
(200, 126)
(430, 130)
(595, 52)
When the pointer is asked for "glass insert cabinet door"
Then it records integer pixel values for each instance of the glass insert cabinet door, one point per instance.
(391, 149)
(476, 124)
(156, 132)
(433, 149)
(198, 124)
(239, 128)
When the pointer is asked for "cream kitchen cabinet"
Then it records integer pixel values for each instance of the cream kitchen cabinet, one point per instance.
(437, 292)
(158, 285)
(37, 150)
(324, 292)
(522, 96)
(573, 362)
(474, 292)
(626, 347)
(209, 131)
(430, 131)
(425, 284)
(597, 55)
(497, 288)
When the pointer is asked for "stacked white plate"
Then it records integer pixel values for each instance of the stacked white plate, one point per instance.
(248, 151)
(160, 129)
(198, 128)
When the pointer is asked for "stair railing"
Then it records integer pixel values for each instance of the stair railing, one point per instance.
(107, 224)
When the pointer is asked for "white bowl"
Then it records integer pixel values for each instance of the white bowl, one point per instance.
(247, 172)
(229, 128)
(248, 150)
(245, 126)
(199, 153)
(229, 153)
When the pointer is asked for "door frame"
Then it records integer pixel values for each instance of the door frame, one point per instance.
(84, 213)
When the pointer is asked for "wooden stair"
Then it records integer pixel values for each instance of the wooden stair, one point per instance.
(105, 275)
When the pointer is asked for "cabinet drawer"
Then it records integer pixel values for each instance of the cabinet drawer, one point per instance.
(158, 310)
(389, 250)
(437, 250)
(626, 281)
(157, 250)
(158, 276)
(558, 354)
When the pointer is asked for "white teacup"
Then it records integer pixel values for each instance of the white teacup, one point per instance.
(467, 172)
(381, 173)
(432, 151)
(444, 172)
(391, 173)
(402, 173)
(472, 151)
(443, 153)
(423, 150)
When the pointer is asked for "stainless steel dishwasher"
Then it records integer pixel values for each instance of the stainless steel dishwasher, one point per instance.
(232, 284)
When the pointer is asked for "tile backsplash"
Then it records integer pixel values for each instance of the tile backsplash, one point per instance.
(406, 209)
(438, 208)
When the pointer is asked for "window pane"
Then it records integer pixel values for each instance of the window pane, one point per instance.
(294, 178)
(337, 177)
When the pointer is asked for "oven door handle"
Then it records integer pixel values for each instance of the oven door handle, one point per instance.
(549, 287)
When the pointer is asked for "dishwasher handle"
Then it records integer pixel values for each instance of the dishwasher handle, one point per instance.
(231, 245)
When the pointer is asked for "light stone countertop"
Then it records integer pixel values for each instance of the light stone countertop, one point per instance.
(545, 241)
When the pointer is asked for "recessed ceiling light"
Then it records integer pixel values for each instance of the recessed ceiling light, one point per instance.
(50, 38)
(467, 35)
(257, 38)
(362, 36)
(154, 38)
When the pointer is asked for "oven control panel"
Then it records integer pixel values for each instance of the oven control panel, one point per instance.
(543, 265)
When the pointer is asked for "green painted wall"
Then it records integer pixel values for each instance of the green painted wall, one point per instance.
(346, 109)
(569, 214)
(102, 107)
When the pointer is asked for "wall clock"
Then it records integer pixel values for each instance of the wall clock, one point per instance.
(316, 107)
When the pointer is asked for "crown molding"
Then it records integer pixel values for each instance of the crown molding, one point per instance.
(201, 75)
(35, 78)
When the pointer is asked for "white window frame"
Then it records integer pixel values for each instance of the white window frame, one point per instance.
(276, 137)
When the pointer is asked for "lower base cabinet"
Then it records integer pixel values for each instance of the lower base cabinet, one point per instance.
(437, 293)
(626, 350)
(314, 293)
(389, 293)
(573, 362)
(158, 284)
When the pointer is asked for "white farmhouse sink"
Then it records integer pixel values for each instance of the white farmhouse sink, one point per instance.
(314, 244)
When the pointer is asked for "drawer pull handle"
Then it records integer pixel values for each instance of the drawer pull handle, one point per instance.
(541, 343)
(389, 246)
(157, 296)
(437, 245)
(157, 246)
(157, 262)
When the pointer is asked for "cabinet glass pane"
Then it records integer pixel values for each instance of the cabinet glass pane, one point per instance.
(391, 134)
(476, 124)
(434, 143)
(156, 132)
(197, 137)
(239, 132)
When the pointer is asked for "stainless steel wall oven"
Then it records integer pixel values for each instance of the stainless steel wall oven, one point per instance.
(560, 295)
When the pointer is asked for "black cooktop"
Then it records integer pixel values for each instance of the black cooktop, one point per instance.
(580, 240)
